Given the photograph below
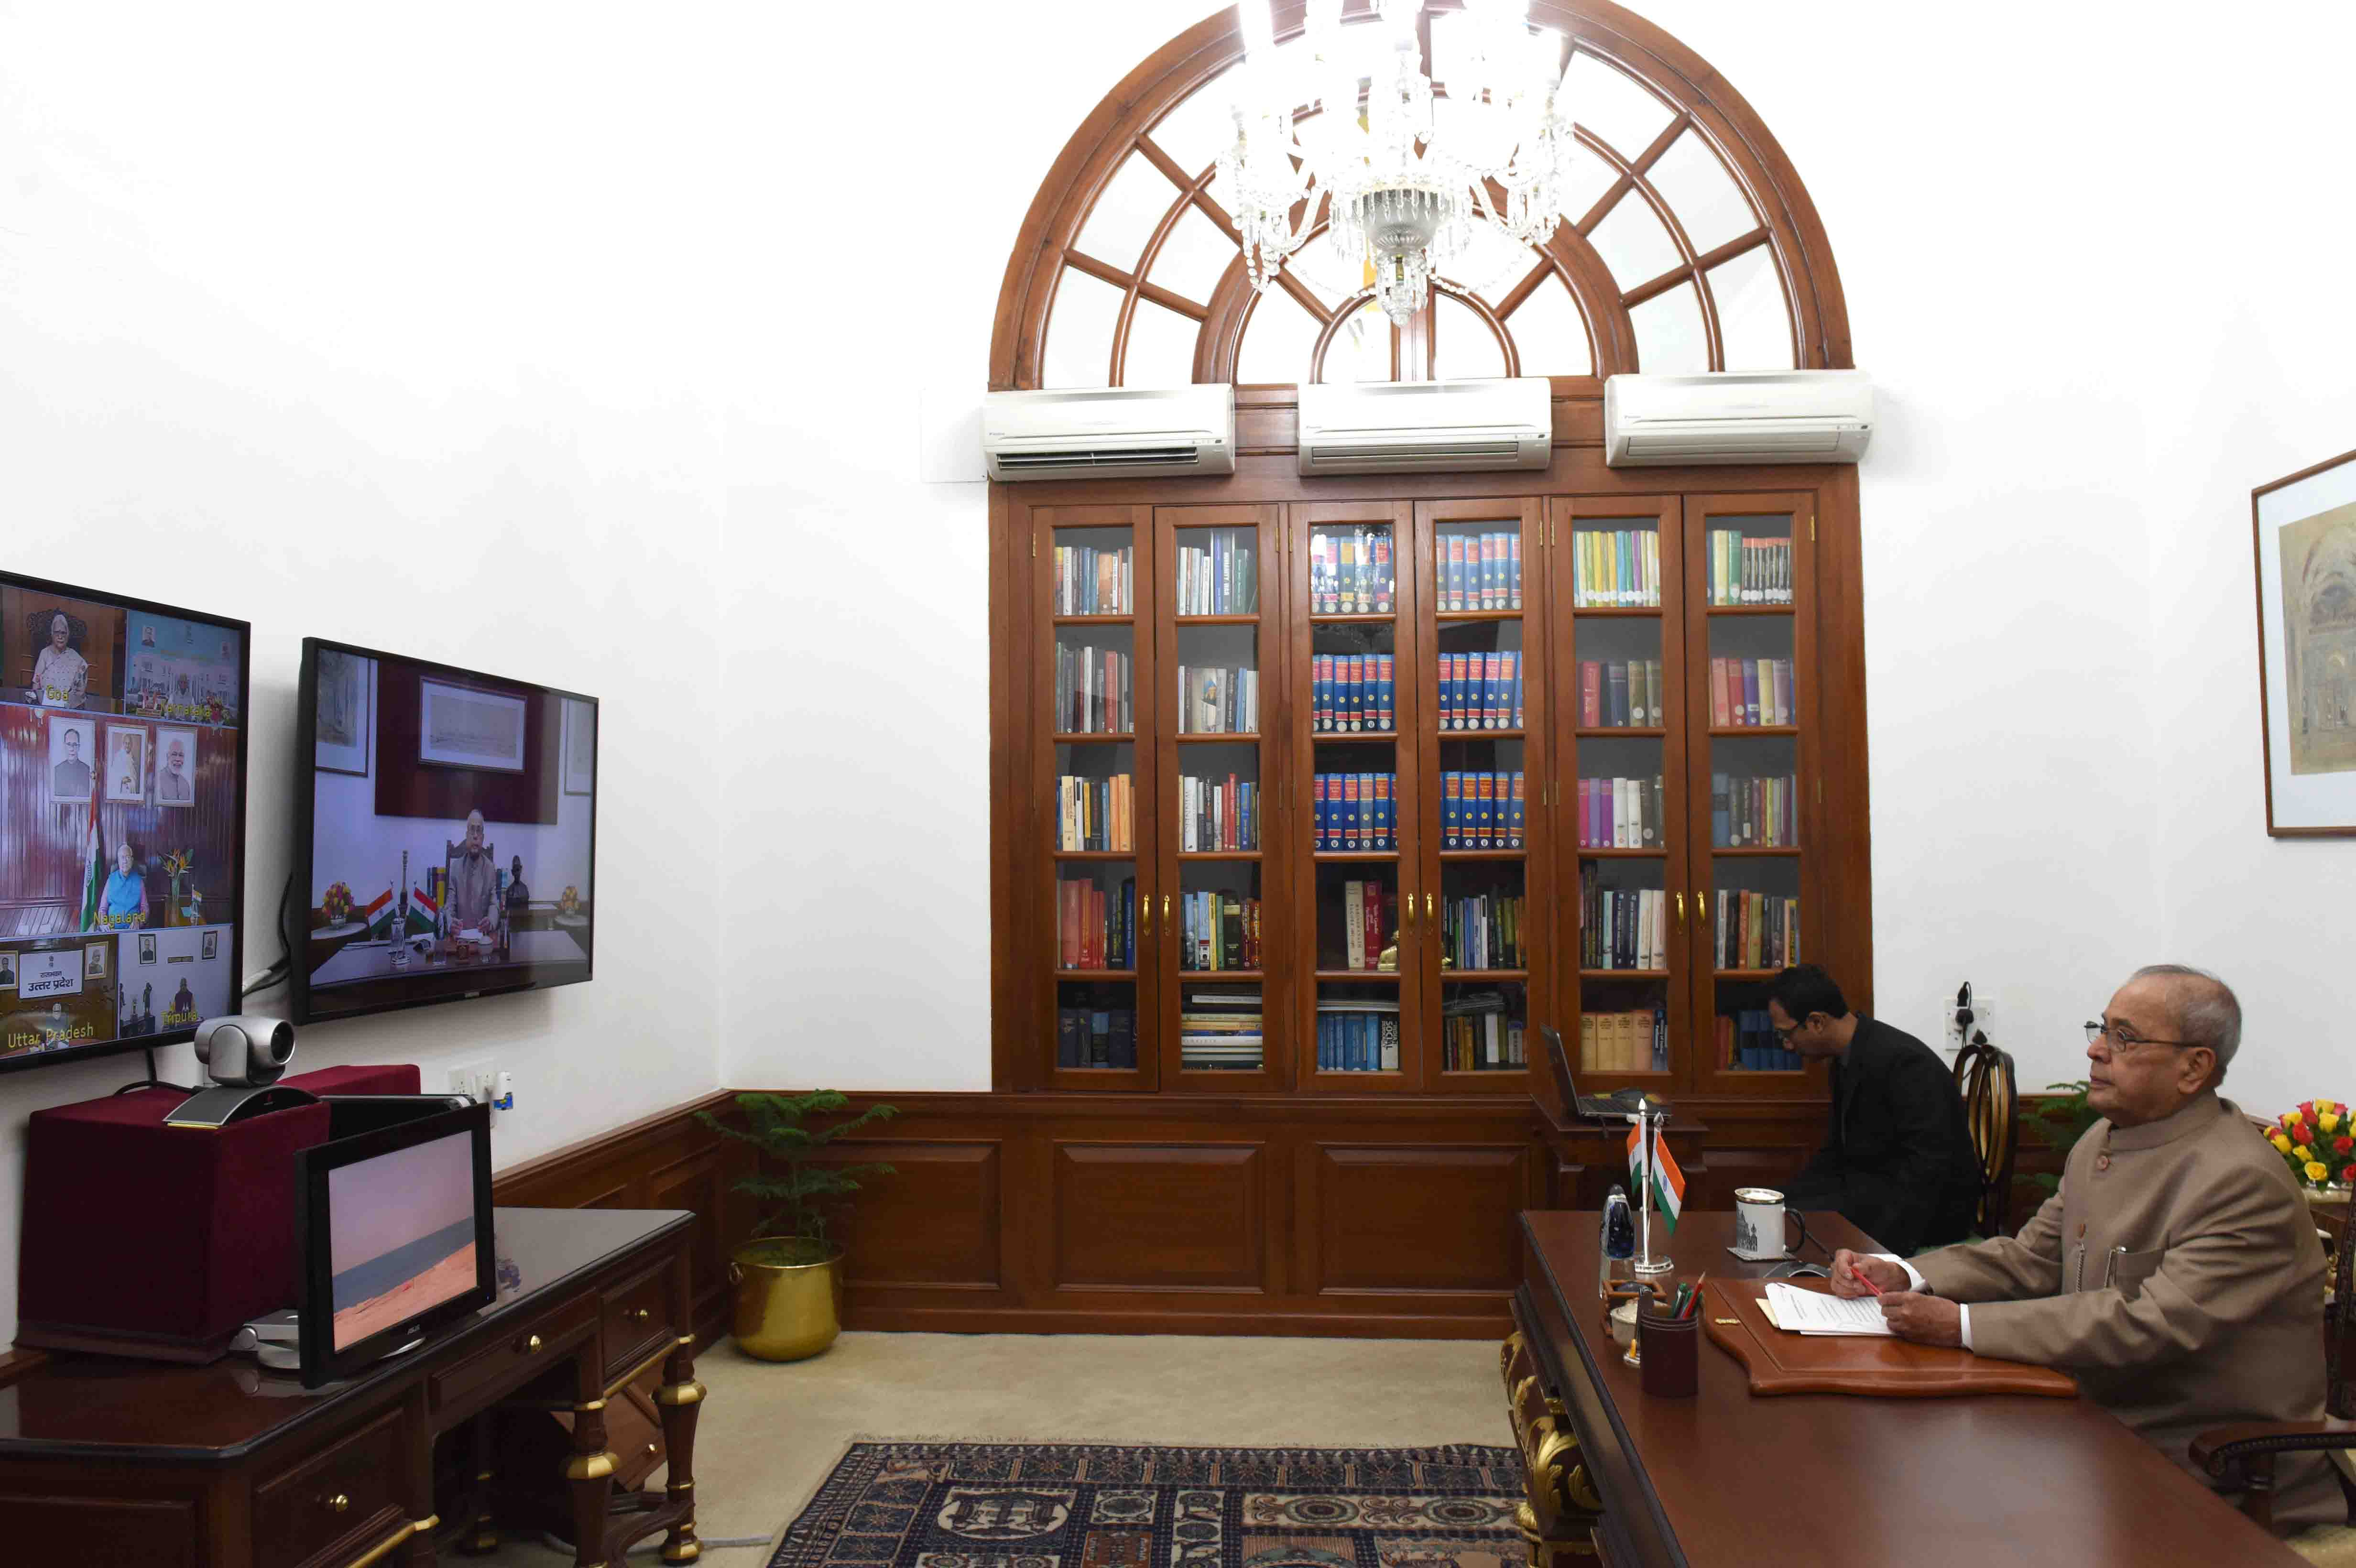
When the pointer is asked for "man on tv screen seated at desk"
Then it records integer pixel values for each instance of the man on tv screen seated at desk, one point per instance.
(474, 884)
(1897, 1161)
(123, 902)
(2177, 1273)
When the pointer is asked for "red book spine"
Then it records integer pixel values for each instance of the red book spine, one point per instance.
(1590, 693)
(1374, 922)
(1068, 924)
(1230, 829)
(1721, 711)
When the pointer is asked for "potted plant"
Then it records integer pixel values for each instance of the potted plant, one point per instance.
(2058, 1120)
(789, 1278)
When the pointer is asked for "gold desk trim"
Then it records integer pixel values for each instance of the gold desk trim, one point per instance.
(618, 1384)
(384, 1548)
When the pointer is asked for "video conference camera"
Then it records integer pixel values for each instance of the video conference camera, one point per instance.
(245, 1054)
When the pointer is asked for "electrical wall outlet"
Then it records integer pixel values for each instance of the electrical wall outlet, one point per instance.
(1953, 1039)
(476, 1080)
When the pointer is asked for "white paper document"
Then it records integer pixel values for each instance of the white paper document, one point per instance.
(1813, 1312)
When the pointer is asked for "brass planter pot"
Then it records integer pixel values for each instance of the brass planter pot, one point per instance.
(788, 1297)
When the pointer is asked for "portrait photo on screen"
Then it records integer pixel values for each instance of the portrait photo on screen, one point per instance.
(403, 1235)
(452, 834)
(122, 818)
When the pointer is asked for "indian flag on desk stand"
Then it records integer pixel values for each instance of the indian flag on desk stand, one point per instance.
(1669, 1191)
(380, 915)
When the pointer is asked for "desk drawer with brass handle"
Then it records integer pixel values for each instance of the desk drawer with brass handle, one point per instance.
(514, 1359)
(638, 1318)
(336, 1502)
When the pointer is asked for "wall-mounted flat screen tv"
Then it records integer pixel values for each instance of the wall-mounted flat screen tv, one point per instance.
(122, 821)
(447, 834)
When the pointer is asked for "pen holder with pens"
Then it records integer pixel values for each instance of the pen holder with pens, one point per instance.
(1668, 1350)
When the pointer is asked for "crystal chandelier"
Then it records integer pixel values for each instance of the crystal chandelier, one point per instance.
(1401, 173)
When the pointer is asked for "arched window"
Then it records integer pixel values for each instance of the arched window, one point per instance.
(1692, 245)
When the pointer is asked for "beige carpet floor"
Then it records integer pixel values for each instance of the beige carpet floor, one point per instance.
(769, 1433)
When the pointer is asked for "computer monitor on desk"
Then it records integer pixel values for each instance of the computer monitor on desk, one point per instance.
(394, 1228)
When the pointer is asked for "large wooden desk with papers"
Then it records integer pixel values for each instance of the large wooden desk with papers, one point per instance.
(1730, 1476)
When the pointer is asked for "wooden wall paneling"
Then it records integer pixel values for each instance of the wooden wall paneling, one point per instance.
(934, 1224)
(699, 1183)
(1401, 1218)
(1174, 1216)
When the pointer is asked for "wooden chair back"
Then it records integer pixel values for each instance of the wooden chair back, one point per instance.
(1983, 1077)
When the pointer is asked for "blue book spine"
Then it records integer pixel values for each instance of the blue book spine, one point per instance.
(1517, 689)
(1391, 817)
(1362, 831)
(1357, 692)
(1383, 710)
(1513, 822)
(1460, 690)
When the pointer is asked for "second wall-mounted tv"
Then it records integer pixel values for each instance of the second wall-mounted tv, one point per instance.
(447, 834)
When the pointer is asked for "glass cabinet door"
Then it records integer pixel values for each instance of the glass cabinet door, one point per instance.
(1751, 683)
(1484, 906)
(1352, 737)
(1219, 705)
(1095, 680)
(1619, 742)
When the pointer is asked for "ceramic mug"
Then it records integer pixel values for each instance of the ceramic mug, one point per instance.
(1759, 1224)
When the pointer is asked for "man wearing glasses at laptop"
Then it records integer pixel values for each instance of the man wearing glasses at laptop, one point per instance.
(2177, 1273)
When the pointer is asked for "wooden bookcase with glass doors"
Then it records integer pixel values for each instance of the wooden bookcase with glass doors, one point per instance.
(1342, 797)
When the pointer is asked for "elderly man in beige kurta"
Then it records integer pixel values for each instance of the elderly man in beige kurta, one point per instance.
(2177, 1273)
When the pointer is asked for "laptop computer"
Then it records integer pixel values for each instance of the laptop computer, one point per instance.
(1618, 1106)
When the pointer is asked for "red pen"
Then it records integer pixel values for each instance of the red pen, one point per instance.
(1860, 1275)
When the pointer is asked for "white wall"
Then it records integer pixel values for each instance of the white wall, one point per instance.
(385, 334)
(2094, 268)
(511, 335)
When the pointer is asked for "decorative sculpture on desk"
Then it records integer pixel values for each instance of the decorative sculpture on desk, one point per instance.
(1387, 960)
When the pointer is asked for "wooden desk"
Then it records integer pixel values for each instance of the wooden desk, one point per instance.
(1727, 1477)
(124, 1463)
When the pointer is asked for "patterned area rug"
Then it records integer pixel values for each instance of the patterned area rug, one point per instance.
(995, 1505)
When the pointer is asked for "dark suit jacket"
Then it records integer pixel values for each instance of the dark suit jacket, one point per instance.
(1897, 1161)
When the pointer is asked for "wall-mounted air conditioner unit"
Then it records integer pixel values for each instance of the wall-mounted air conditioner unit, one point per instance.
(1767, 416)
(1110, 433)
(1400, 427)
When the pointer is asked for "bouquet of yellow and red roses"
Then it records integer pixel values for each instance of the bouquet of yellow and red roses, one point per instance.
(2318, 1141)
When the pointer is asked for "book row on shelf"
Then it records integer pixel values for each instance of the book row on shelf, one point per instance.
(1092, 691)
(1369, 915)
(1480, 691)
(1221, 578)
(1356, 812)
(1357, 1036)
(1756, 931)
(1748, 571)
(1748, 1041)
(1350, 693)
(1350, 571)
(1096, 1037)
(1094, 813)
(1097, 930)
(1219, 1031)
(1217, 699)
(1762, 813)
(1484, 931)
(1217, 813)
(1217, 930)
(1482, 810)
(1621, 928)
(1476, 1033)
(1092, 581)
(1621, 813)
(1478, 571)
(1620, 694)
(1635, 1042)
(1746, 693)
(1616, 569)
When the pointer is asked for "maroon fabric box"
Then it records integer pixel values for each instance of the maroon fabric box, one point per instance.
(146, 1240)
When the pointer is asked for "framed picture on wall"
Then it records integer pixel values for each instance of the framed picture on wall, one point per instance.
(126, 763)
(463, 728)
(176, 766)
(579, 746)
(2304, 528)
(344, 725)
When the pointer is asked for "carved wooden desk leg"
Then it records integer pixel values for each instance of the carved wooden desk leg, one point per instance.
(682, 1398)
(590, 1472)
(1557, 1516)
(481, 1534)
